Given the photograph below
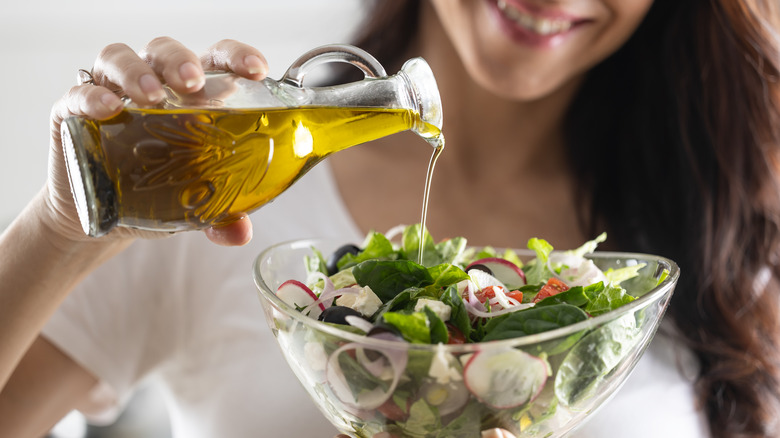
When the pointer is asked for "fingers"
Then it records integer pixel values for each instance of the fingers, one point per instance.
(237, 57)
(86, 100)
(178, 66)
(234, 234)
(164, 60)
(496, 433)
(120, 69)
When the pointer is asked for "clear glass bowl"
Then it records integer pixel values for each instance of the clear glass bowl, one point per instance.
(586, 362)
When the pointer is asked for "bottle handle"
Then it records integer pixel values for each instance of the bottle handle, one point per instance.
(332, 53)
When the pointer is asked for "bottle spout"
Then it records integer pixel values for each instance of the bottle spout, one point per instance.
(424, 95)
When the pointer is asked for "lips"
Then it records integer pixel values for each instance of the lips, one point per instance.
(534, 26)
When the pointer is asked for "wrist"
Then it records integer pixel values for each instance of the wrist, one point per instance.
(57, 230)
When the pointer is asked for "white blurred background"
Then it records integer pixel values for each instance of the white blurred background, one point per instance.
(44, 42)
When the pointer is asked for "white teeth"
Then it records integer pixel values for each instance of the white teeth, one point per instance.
(542, 26)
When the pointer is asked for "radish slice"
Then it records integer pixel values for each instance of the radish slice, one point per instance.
(507, 272)
(326, 298)
(505, 378)
(295, 293)
(483, 279)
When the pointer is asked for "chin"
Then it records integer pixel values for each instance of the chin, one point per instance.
(521, 87)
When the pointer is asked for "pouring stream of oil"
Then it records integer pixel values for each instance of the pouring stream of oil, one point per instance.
(439, 148)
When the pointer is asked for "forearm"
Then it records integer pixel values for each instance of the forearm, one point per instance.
(37, 271)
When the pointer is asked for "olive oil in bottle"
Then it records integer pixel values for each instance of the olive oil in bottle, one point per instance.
(207, 158)
(190, 169)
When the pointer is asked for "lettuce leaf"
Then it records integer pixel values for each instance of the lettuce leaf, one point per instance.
(537, 270)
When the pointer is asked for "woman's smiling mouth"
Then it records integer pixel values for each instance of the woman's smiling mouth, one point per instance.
(534, 26)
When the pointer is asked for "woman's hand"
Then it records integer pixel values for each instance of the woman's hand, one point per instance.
(119, 71)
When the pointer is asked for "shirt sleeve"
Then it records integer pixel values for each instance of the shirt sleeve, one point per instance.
(121, 321)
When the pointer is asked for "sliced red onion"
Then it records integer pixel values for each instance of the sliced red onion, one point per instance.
(327, 297)
(397, 359)
(395, 231)
(482, 314)
(472, 298)
(579, 272)
(501, 297)
(376, 367)
(494, 302)
(358, 322)
(327, 285)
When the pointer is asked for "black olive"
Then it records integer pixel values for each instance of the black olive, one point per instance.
(481, 267)
(338, 314)
(338, 254)
(386, 331)
(384, 327)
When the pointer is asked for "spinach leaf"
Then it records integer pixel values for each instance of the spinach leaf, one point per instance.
(399, 302)
(439, 333)
(357, 377)
(446, 251)
(413, 326)
(410, 246)
(587, 365)
(388, 278)
(459, 316)
(376, 246)
(425, 422)
(532, 321)
(465, 425)
(576, 296)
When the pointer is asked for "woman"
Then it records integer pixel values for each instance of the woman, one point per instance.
(654, 121)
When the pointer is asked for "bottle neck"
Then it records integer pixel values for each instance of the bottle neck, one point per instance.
(389, 92)
(392, 93)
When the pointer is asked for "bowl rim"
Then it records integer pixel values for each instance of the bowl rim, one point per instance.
(661, 290)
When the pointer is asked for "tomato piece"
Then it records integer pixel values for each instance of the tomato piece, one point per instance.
(553, 287)
(485, 294)
(392, 411)
(490, 292)
(516, 294)
(455, 335)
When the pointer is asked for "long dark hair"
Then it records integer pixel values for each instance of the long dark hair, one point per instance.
(677, 141)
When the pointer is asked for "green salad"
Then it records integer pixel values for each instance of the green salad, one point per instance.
(457, 295)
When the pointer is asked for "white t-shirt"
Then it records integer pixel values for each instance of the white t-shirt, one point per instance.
(187, 311)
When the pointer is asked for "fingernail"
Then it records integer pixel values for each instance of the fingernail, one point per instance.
(191, 75)
(151, 86)
(111, 101)
(255, 65)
